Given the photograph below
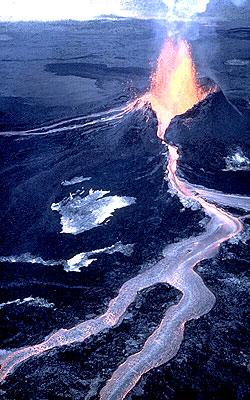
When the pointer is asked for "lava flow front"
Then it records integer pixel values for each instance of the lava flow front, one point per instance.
(173, 86)
(173, 91)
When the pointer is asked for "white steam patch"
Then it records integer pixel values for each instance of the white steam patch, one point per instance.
(27, 258)
(237, 62)
(74, 181)
(80, 214)
(82, 260)
(37, 302)
(75, 263)
(185, 8)
(237, 162)
(4, 38)
(78, 261)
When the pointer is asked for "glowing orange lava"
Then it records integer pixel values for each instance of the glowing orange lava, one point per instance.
(173, 87)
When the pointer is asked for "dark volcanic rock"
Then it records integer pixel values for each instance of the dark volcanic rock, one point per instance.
(208, 130)
(124, 158)
(94, 71)
(205, 135)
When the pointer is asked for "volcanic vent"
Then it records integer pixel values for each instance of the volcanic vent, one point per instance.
(174, 88)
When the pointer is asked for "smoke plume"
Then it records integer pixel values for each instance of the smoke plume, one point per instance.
(186, 8)
(189, 8)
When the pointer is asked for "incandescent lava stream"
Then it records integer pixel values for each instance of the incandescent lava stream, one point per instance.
(173, 91)
(176, 269)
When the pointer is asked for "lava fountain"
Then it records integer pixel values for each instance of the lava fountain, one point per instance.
(173, 91)
(174, 88)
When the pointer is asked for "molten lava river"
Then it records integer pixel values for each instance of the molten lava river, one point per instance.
(173, 91)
